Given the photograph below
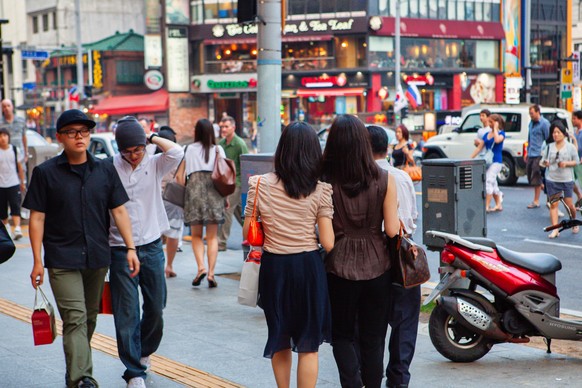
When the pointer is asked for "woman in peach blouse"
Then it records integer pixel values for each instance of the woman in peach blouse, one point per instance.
(292, 282)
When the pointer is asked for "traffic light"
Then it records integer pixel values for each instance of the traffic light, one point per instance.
(404, 112)
(88, 91)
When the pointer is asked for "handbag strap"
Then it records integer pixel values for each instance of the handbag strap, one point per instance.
(256, 195)
(43, 299)
(183, 158)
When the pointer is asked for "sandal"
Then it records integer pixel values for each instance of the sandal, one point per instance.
(554, 234)
(212, 283)
(198, 279)
(533, 205)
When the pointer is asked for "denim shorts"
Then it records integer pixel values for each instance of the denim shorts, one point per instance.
(555, 187)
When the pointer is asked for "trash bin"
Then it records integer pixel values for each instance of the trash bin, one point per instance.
(453, 199)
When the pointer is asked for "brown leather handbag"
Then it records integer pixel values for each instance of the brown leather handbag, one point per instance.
(409, 262)
(224, 175)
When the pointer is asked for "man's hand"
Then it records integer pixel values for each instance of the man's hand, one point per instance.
(37, 275)
(133, 263)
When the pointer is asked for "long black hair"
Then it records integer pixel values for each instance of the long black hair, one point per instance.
(298, 160)
(348, 160)
(204, 133)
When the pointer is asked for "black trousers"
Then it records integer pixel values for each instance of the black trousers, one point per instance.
(362, 306)
(403, 320)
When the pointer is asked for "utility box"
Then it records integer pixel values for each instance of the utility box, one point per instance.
(453, 199)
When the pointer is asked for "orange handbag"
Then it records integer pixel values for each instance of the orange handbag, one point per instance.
(255, 235)
(413, 171)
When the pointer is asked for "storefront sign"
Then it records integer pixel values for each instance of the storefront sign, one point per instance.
(477, 89)
(306, 26)
(512, 87)
(324, 81)
(417, 79)
(178, 65)
(97, 70)
(152, 51)
(223, 83)
(153, 79)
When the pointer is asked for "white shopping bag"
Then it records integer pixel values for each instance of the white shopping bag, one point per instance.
(248, 290)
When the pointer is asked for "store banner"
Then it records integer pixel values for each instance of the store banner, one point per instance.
(477, 89)
(178, 74)
(153, 51)
(220, 83)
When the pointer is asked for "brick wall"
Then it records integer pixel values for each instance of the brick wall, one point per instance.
(185, 110)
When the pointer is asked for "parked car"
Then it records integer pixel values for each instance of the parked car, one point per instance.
(103, 145)
(459, 144)
(39, 150)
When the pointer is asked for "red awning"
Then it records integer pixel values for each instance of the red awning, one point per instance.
(452, 29)
(330, 92)
(133, 104)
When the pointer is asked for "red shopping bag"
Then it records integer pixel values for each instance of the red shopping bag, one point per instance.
(44, 328)
(105, 306)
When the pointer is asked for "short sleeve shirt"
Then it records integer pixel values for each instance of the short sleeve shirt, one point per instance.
(538, 133)
(289, 223)
(76, 227)
(233, 151)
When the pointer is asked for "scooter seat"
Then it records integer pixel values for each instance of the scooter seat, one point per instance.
(482, 241)
(542, 263)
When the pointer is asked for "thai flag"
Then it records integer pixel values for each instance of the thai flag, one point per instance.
(413, 96)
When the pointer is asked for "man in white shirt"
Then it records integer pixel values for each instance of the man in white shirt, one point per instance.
(484, 117)
(405, 307)
(141, 175)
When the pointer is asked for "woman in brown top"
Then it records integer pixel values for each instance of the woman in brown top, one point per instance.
(292, 283)
(358, 274)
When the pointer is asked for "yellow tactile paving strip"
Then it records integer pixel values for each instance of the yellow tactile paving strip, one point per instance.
(162, 366)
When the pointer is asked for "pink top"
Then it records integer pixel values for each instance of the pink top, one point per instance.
(288, 223)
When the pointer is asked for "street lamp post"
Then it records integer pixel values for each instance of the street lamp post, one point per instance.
(397, 57)
(528, 81)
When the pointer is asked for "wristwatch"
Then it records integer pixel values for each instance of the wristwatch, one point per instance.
(152, 137)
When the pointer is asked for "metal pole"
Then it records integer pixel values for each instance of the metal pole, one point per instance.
(269, 74)
(80, 81)
(527, 50)
(397, 56)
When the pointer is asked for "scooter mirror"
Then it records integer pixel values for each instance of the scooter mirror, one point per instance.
(556, 197)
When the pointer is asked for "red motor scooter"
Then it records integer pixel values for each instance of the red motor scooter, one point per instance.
(522, 301)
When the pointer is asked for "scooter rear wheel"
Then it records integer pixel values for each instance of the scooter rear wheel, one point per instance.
(455, 341)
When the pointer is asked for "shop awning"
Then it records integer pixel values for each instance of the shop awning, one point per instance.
(451, 29)
(330, 92)
(133, 104)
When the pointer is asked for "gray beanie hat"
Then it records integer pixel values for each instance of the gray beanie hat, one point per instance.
(129, 133)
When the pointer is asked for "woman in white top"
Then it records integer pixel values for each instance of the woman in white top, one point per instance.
(560, 160)
(203, 205)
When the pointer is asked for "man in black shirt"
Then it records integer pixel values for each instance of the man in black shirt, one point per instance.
(70, 198)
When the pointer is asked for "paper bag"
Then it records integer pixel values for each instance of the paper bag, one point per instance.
(44, 328)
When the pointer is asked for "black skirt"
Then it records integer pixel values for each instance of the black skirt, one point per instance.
(294, 296)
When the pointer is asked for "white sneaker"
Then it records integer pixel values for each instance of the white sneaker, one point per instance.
(145, 361)
(136, 382)
(17, 233)
(9, 230)
(560, 213)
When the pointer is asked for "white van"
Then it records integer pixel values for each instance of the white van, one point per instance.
(459, 144)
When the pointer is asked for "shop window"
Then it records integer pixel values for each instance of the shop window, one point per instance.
(45, 22)
(359, 5)
(460, 10)
(495, 10)
(225, 9)
(297, 7)
(312, 7)
(231, 58)
(487, 12)
(197, 11)
(35, 24)
(433, 9)
(403, 8)
(487, 54)
(451, 14)
(479, 12)
(381, 50)
(314, 55)
(328, 6)
(210, 9)
(129, 72)
(55, 21)
(413, 9)
(346, 52)
(383, 9)
(342, 5)
(469, 10)
(442, 9)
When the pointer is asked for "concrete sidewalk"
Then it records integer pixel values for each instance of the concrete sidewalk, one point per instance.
(206, 329)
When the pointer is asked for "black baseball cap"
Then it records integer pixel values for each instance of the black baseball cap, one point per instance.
(74, 116)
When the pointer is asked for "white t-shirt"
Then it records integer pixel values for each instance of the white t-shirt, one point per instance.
(195, 158)
(8, 174)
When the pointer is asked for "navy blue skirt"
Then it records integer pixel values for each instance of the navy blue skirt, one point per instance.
(294, 297)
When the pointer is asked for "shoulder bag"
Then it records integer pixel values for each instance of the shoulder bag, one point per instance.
(224, 175)
(413, 171)
(409, 263)
(174, 192)
(7, 247)
(255, 235)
